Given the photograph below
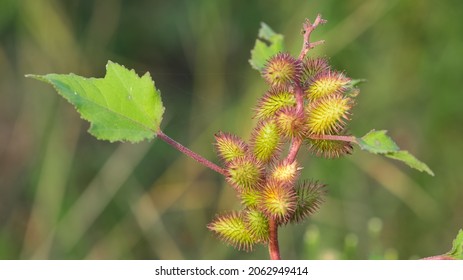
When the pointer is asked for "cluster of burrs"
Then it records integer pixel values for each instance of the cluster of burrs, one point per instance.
(307, 104)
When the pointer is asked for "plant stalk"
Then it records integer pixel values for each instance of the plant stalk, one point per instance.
(190, 153)
(344, 138)
(296, 143)
(273, 247)
(308, 27)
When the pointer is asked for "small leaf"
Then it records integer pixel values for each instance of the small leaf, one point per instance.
(267, 45)
(352, 90)
(120, 107)
(457, 247)
(410, 160)
(265, 32)
(377, 142)
(355, 82)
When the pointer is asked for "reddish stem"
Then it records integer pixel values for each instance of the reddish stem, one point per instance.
(273, 247)
(293, 150)
(296, 143)
(299, 92)
(190, 153)
(307, 30)
(344, 138)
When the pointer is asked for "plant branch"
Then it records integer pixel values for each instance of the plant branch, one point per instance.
(344, 138)
(273, 247)
(296, 142)
(190, 153)
(308, 27)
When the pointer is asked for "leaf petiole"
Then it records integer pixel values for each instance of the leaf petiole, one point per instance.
(190, 153)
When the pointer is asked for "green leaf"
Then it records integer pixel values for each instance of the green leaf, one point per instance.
(410, 160)
(457, 247)
(267, 45)
(352, 89)
(120, 107)
(377, 142)
(355, 82)
(265, 32)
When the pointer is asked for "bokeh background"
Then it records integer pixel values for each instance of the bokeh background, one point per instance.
(66, 195)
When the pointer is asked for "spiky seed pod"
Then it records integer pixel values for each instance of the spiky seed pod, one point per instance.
(309, 197)
(250, 197)
(257, 224)
(244, 173)
(285, 173)
(232, 228)
(329, 148)
(265, 140)
(290, 123)
(314, 66)
(328, 115)
(229, 146)
(327, 83)
(273, 101)
(282, 70)
(278, 201)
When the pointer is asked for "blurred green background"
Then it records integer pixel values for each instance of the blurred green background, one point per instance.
(66, 195)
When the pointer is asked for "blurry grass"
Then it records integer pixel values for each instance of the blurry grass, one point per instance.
(350, 250)
(65, 195)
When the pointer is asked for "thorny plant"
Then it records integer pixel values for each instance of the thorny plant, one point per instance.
(308, 104)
